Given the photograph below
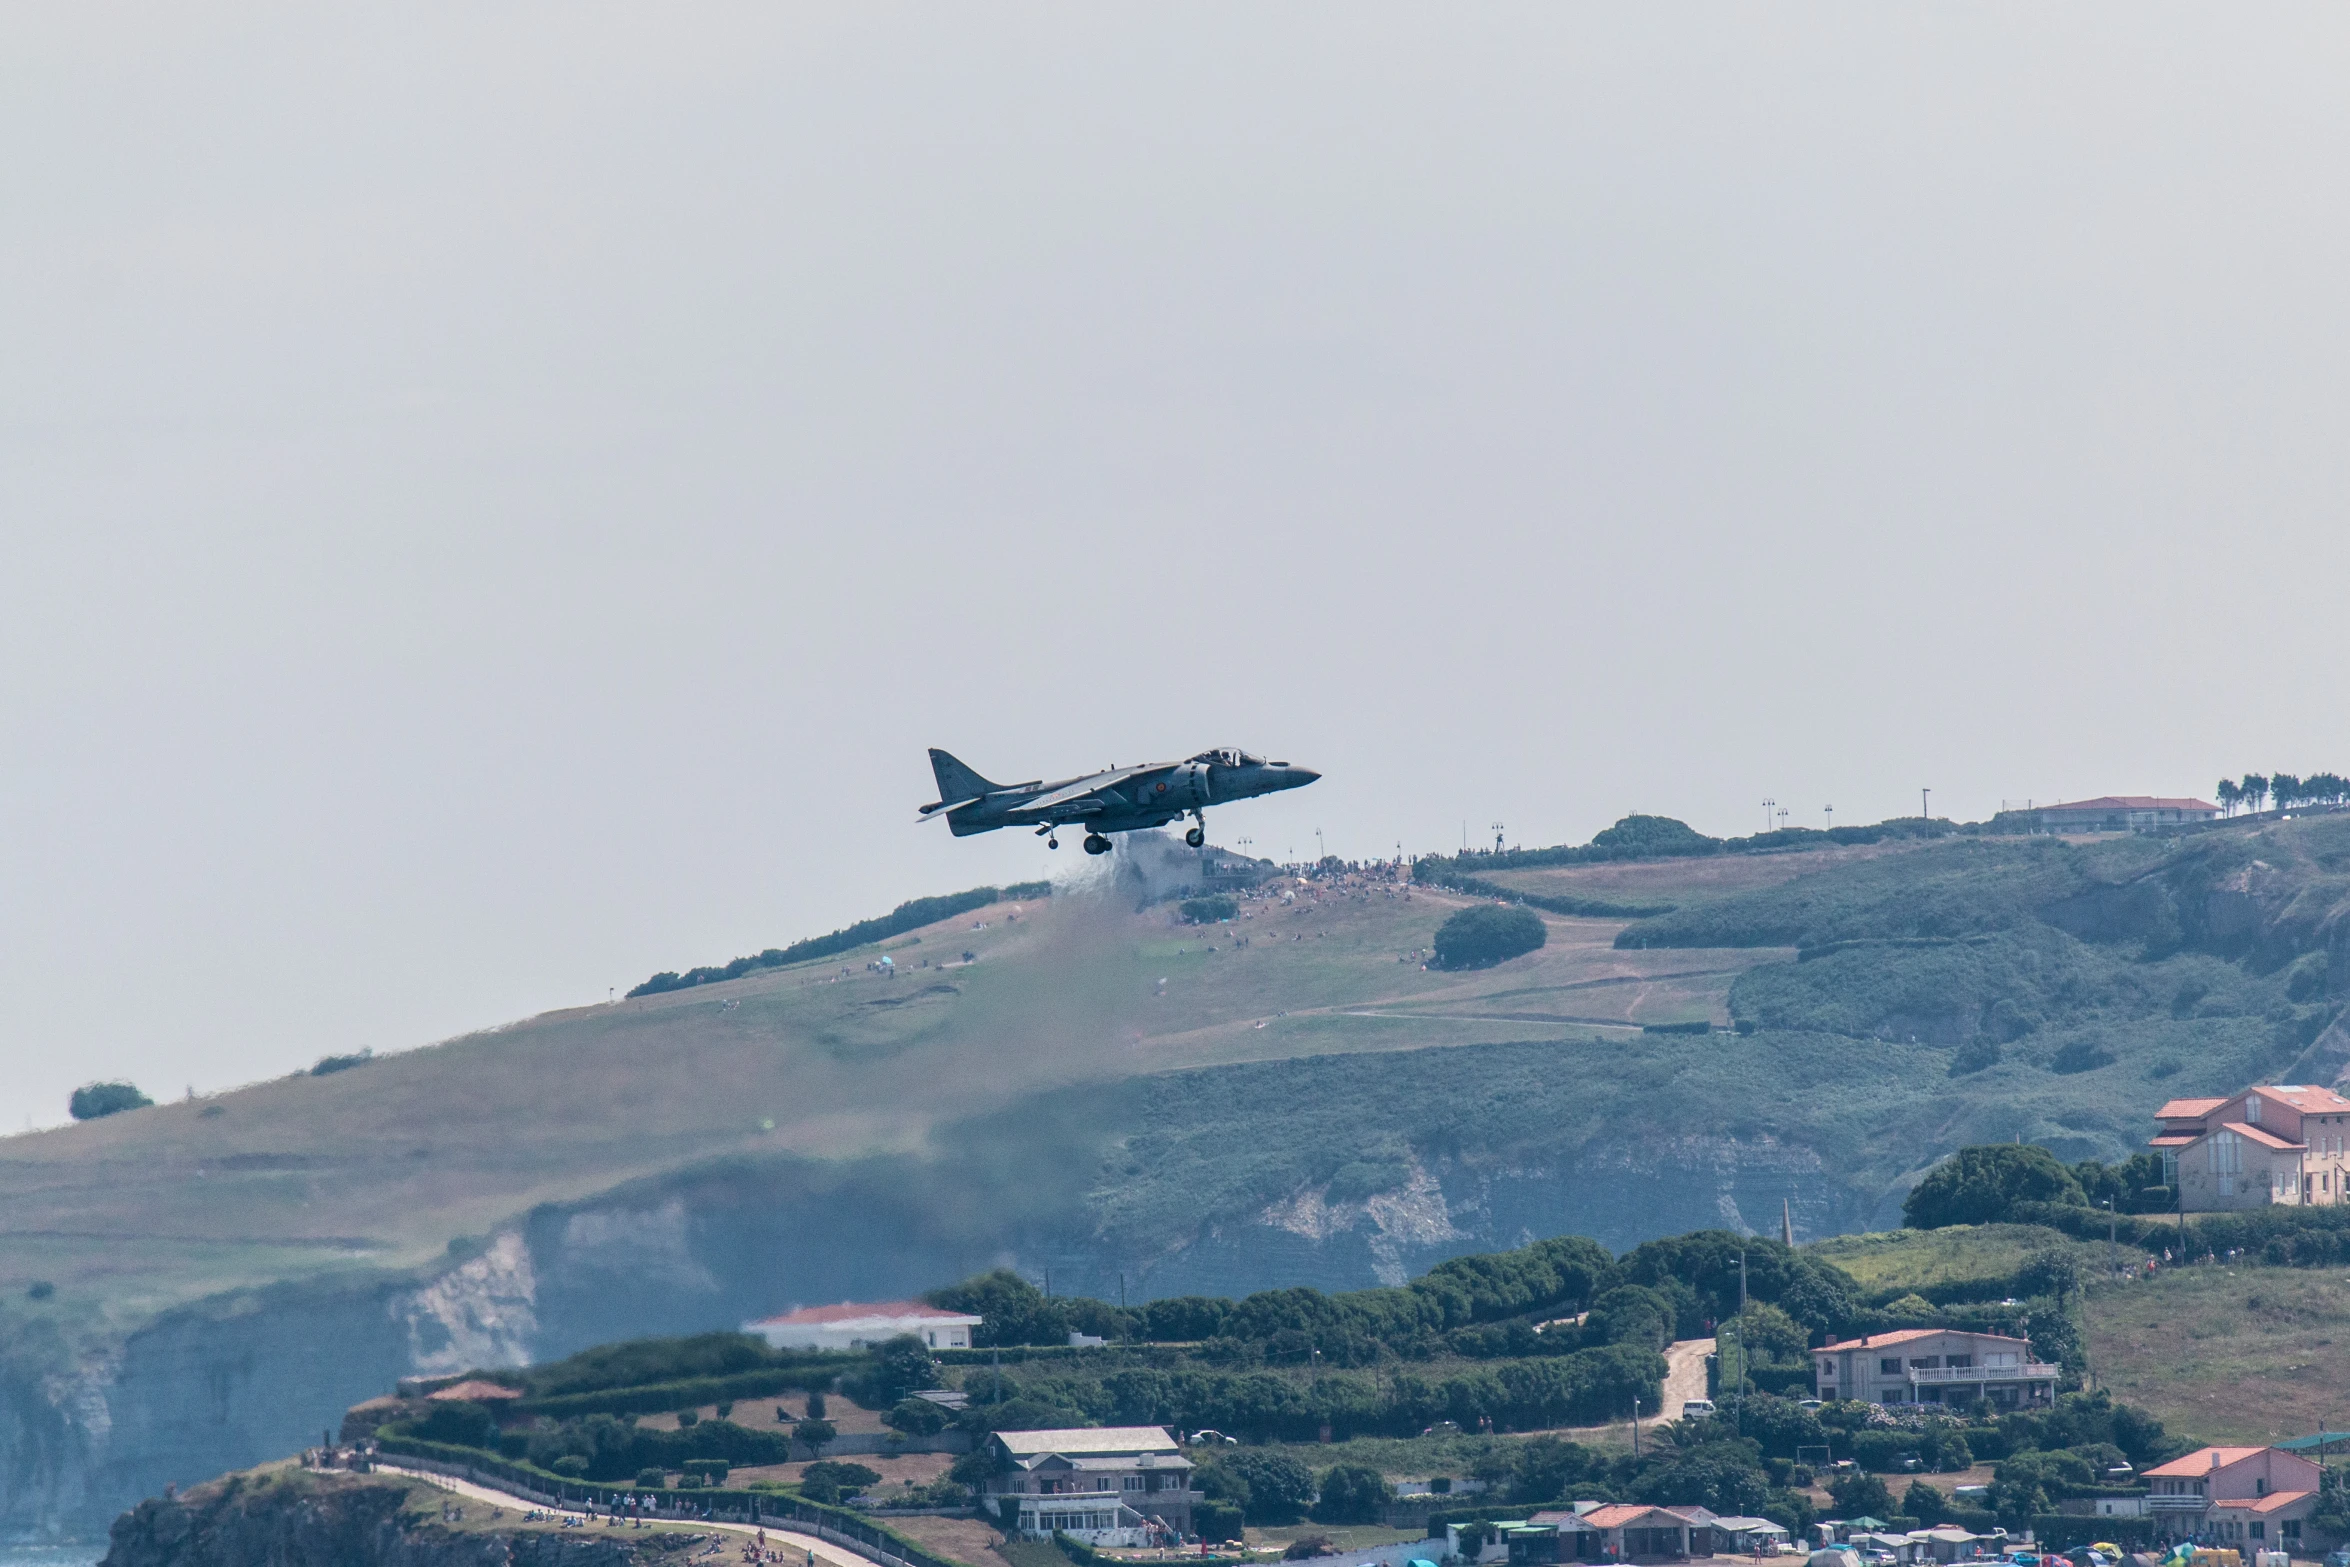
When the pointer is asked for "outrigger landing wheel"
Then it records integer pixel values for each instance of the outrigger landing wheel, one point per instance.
(1095, 843)
(1196, 837)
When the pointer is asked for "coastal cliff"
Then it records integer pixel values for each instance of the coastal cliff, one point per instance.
(289, 1517)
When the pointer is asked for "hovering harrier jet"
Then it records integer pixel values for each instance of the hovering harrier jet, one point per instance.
(1124, 799)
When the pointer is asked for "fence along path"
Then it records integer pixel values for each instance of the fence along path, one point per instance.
(828, 1545)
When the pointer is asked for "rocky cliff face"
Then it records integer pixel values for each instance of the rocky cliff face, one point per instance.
(1337, 1172)
(295, 1519)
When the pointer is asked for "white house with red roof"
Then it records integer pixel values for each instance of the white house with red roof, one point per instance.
(1934, 1366)
(2252, 1498)
(852, 1325)
(2123, 813)
(2274, 1143)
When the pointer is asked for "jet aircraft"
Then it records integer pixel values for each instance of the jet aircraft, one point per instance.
(1123, 799)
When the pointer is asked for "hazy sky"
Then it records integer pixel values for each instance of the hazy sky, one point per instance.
(497, 498)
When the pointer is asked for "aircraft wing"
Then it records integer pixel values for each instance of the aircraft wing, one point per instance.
(1085, 786)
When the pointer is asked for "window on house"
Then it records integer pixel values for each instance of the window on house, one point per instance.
(2252, 1110)
(1959, 1362)
(1925, 1362)
(1890, 1366)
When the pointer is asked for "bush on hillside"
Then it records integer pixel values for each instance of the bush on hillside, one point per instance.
(92, 1100)
(1207, 911)
(1487, 934)
(1351, 1493)
(916, 1417)
(1654, 837)
(329, 1065)
(1274, 1488)
(1859, 1494)
(1980, 1185)
(650, 1479)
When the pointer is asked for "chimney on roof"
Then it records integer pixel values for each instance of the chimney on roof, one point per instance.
(2215, 1458)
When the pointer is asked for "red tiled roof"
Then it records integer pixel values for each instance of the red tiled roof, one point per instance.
(851, 1311)
(2131, 802)
(2188, 1109)
(1905, 1336)
(2176, 1140)
(1615, 1515)
(2265, 1139)
(2275, 1501)
(2199, 1462)
(2309, 1101)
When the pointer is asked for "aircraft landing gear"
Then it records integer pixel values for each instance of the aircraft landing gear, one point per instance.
(1198, 835)
(1095, 843)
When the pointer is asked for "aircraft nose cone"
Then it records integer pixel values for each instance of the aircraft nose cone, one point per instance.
(1301, 776)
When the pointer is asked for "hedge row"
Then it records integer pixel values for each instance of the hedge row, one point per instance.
(2282, 1235)
(652, 1398)
(1586, 908)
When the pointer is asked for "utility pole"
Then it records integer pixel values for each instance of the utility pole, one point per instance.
(1738, 1400)
(1497, 831)
(1923, 796)
(1830, 812)
(1769, 805)
(1636, 1428)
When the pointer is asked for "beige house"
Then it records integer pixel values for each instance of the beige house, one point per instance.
(2276, 1143)
(2252, 1498)
(1118, 1486)
(1934, 1366)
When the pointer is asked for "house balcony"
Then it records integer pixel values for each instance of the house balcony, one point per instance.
(2178, 1504)
(1948, 1376)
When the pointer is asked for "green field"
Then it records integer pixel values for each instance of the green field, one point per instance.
(2230, 1354)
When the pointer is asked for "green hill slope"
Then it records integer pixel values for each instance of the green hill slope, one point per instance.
(1134, 1103)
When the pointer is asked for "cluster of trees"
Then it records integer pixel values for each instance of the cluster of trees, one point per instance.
(1484, 1306)
(910, 915)
(1486, 934)
(92, 1100)
(1585, 1387)
(1998, 1183)
(2254, 790)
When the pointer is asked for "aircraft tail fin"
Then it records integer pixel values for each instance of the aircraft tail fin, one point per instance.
(955, 781)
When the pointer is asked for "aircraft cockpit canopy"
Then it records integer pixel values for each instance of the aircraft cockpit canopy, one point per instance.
(1231, 756)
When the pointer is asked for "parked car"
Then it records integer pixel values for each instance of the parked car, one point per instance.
(1213, 1438)
(1697, 1406)
(1810, 1403)
(2339, 1557)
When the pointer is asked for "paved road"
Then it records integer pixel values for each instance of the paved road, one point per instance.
(787, 1540)
(1684, 1373)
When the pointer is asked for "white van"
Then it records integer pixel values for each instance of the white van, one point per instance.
(1696, 1407)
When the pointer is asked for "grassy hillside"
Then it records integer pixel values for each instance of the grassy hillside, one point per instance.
(2232, 1354)
(1904, 998)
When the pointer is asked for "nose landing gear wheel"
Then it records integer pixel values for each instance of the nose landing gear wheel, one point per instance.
(1196, 837)
(1052, 843)
(1095, 843)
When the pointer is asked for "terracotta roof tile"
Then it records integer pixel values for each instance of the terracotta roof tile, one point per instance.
(2187, 1109)
(2265, 1139)
(2199, 1462)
